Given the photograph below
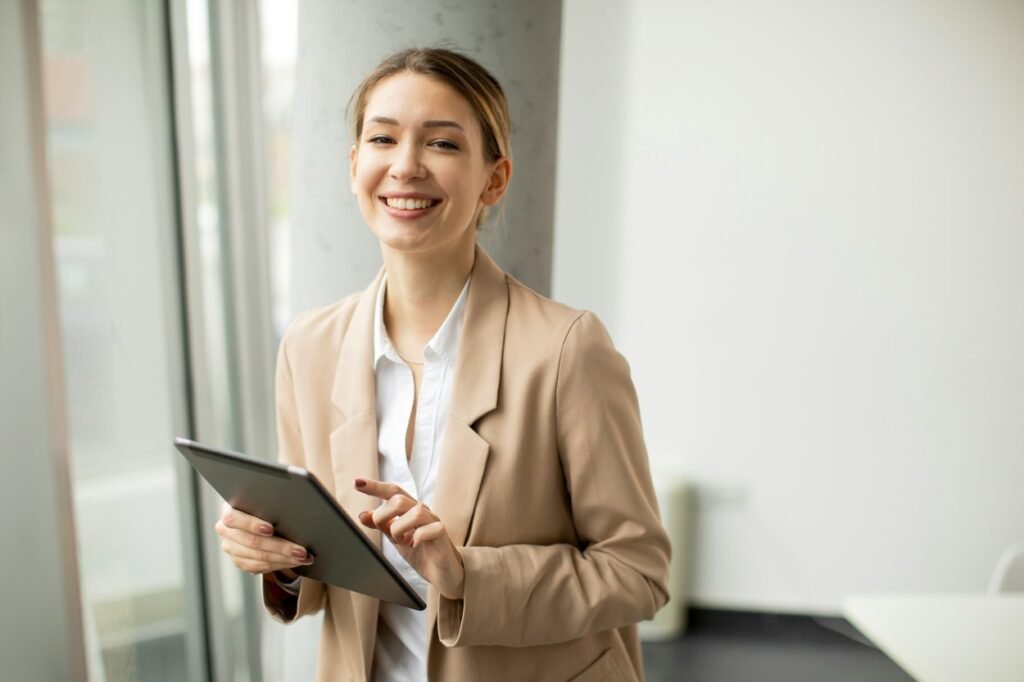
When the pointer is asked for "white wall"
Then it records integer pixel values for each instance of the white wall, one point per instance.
(813, 217)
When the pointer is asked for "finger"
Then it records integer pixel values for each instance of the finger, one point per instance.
(366, 518)
(233, 518)
(381, 489)
(428, 533)
(279, 548)
(393, 508)
(225, 530)
(261, 560)
(254, 561)
(257, 567)
(410, 521)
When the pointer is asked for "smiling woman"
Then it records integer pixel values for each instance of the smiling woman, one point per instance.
(487, 437)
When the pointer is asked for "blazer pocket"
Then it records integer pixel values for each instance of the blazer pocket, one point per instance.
(604, 667)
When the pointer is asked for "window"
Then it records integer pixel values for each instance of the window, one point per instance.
(115, 248)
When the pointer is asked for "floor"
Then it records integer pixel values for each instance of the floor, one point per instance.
(719, 646)
(727, 646)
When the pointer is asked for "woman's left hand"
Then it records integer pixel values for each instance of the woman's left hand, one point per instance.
(418, 534)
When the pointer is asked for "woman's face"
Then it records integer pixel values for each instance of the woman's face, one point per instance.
(418, 169)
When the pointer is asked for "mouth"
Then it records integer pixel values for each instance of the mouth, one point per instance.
(408, 205)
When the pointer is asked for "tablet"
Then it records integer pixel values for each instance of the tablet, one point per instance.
(300, 509)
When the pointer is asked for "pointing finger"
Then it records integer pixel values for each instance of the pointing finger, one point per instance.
(384, 491)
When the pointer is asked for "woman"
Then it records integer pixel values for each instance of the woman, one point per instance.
(491, 436)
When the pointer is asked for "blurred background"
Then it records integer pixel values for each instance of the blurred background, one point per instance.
(802, 223)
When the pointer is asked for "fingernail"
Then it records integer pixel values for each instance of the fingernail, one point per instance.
(299, 553)
(360, 483)
(266, 530)
(307, 561)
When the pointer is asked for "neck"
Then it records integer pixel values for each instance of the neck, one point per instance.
(421, 289)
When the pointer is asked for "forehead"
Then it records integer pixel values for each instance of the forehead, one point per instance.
(410, 98)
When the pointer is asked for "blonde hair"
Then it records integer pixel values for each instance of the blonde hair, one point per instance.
(464, 75)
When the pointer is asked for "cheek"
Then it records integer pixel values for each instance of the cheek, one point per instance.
(364, 190)
(359, 185)
(468, 188)
(367, 174)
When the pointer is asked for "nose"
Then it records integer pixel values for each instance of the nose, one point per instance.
(407, 163)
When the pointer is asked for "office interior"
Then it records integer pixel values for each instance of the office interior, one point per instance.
(801, 222)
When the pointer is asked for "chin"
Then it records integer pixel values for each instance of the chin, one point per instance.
(401, 238)
(405, 240)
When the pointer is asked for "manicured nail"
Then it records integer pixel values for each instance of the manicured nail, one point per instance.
(299, 553)
(266, 530)
(360, 483)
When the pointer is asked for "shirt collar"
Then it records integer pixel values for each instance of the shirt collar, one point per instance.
(445, 342)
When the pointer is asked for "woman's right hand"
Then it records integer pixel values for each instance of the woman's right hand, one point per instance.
(252, 546)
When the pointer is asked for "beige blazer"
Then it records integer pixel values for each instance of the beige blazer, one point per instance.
(543, 484)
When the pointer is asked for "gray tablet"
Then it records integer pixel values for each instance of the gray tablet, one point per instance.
(299, 507)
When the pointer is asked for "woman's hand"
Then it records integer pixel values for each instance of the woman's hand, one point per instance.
(418, 534)
(251, 544)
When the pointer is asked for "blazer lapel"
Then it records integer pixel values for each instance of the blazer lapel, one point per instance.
(477, 377)
(475, 393)
(354, 393)
(354, 441)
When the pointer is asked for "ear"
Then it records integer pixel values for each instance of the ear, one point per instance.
(353, 156)
(497, 183)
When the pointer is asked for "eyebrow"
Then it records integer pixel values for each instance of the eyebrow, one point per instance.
(426, 124)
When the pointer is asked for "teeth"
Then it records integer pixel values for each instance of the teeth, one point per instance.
(408, 204)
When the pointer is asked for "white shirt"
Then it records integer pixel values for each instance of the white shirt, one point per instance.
(401, 651)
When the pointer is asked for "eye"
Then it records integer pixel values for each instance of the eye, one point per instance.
(380, 139)
(447, 145)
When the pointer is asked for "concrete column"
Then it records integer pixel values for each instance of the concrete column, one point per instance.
(333, 251)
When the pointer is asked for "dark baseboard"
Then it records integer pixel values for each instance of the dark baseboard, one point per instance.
(722, 645)
(787, 626)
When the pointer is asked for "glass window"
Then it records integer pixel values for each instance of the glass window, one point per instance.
(108, 148)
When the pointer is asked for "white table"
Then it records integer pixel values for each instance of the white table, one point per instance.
(946, 637)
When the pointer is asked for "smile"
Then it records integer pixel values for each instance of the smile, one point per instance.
(409, 203)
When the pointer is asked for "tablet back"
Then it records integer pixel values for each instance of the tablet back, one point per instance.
(301, 510)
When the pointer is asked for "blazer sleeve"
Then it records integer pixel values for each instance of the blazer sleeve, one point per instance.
(525, 595)
(281, 604)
